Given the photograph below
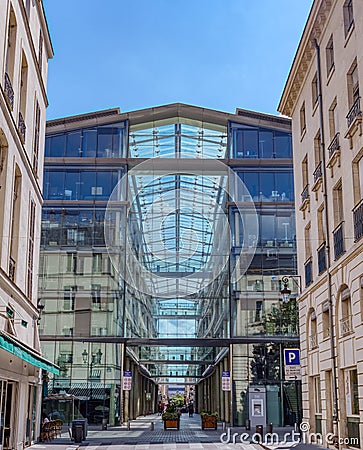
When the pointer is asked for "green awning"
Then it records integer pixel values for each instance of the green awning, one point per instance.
(15, 347)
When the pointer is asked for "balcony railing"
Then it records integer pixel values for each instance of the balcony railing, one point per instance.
(338, 236)
(22, 127)
(9, 92)
(358, 221)
(346, 325)
(317, 173)
(322, 258)
(334, 145)
(12, 267)
(305, 193)
(354, 112)
(308, 272)
(313, 341)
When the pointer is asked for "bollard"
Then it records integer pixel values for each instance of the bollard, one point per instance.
(128, 425)
(259, 430)
(296, 428)
(224, 426)
(104, 424)
(248, 424)
(152, 426)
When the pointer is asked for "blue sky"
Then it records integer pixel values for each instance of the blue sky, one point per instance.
(135, 54)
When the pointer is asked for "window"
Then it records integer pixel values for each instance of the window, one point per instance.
(353, 84)
(71, 263)
(317, 395)
(307, 241)
(11, 46)
(338, 204)
(96, 296)
(15, 219)
(317, 148)
(333, 119)
(313, 331)
(351, 392)
(69, 297)
(40, 51)
(321, 225)
(346, 312)
(329, 51)
(36, 137)
(326, 320)
(31, 249)
(97, 263)
(314, 90)
(23, 96)
(302, 119)
(348, 16)
(304, 168)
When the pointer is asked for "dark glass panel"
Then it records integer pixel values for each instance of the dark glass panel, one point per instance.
(99, 238)
(105, 138)
(283, 144)
(251, 180)
(267, 232)
(267, 187)
(284, 186)
(237, 143)
(117, 143)
(88, 185)
(250, 143)
(103, 189)
(57, 145)
(266, 144)
(72, 185)
(54, 188)
(73, 144)
(89, 143)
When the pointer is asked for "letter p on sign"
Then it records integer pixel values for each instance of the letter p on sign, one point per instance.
(292, 356)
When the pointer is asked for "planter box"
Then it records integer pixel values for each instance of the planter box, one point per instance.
(209, 422)
(172, 424)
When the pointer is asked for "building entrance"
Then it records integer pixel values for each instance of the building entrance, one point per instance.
(7, 414)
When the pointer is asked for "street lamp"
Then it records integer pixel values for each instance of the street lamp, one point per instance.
(285, 292)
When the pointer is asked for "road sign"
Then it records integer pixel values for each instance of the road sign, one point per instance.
(127, 380)
(292, 364)
(226, 381)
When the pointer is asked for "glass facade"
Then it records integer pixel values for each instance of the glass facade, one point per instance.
(154, 254)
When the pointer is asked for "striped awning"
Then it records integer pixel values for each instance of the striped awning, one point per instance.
(17, 348)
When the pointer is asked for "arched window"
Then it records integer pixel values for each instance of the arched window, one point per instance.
(313, 331)
(345, 312)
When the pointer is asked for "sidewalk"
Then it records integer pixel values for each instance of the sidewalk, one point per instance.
(190, 436)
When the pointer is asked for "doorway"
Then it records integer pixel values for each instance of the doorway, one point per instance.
(7, 414)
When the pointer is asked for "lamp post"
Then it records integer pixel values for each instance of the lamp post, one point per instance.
(286, 296)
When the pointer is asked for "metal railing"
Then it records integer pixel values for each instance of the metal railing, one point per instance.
(9, 91)
(334, 145)
(358, 221)
(22, 127)
(346, 325)
(338, 237)
(354, 112)
(314, 341)
(12, 267)
(317, 172)
(321, 258)
(308, 272)
(305, 193)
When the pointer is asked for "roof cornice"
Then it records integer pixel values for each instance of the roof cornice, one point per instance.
(314, 27)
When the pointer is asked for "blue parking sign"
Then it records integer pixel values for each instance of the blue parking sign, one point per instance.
(292, 356)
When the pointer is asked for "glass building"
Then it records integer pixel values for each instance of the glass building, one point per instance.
(166, 234)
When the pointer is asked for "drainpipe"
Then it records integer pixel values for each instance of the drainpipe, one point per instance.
(327, 247)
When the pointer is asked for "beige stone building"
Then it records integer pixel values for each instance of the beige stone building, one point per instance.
(322, 97)
(25, 48)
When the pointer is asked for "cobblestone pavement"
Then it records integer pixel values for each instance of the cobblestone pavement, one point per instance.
(141, 437)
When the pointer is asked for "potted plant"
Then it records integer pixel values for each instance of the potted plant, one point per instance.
(171, 417)
(209, 420)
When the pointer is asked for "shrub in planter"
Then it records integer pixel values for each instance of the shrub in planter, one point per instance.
(209, 419)
(171, 418)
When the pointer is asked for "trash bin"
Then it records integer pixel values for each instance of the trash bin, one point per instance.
(77, 432)
(83, 423)
(259, 430)
(104, 424)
